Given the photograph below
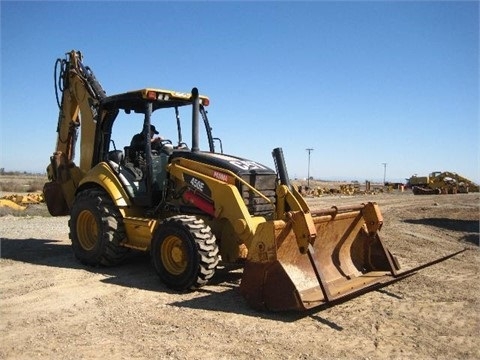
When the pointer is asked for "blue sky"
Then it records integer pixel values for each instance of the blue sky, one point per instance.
(362, 83)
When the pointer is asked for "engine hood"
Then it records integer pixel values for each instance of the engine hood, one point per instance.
(237, 165)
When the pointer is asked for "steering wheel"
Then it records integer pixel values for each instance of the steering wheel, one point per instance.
(159, 146)
(181, 145)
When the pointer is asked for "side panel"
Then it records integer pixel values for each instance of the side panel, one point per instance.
(139, 232)
(233, 223)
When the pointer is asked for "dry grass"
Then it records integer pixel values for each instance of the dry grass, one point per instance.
(19, 183)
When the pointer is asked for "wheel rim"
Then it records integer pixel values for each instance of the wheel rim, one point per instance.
(174, 255)
(87, 230)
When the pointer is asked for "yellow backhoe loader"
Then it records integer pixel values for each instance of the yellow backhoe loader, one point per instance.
(192, 208)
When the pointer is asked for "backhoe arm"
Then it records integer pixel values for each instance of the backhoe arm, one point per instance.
(81, 94)
(78, 108)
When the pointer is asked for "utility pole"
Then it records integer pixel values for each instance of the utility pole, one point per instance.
(308, 176)
(384, 172)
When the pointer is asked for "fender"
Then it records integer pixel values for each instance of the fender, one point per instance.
(103, 175)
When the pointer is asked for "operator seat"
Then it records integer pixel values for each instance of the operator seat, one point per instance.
(116, 156)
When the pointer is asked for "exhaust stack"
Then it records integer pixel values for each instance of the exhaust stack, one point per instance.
(281, 167)
(195, 128)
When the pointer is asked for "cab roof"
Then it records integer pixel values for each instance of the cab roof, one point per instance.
(135, 100)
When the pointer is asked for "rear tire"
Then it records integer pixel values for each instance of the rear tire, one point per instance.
(184, 252)
(96, 229)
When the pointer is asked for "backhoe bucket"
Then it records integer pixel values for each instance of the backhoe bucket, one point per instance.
(347, 257)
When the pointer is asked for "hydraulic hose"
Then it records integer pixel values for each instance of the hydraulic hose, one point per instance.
(58, 81)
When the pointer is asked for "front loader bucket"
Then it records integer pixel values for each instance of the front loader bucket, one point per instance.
(346, 258)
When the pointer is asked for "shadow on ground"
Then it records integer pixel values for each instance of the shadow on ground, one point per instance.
(136, 271)
(468, 226)
(221, 293)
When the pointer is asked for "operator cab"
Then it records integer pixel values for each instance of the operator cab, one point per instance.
(143, 173)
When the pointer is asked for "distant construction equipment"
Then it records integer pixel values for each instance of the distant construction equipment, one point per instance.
(351, 188)
(439, 182)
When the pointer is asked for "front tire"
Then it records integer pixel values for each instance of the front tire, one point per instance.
(184, 252)
(96, 229)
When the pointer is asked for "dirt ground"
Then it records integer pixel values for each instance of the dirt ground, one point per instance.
(52, 307)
